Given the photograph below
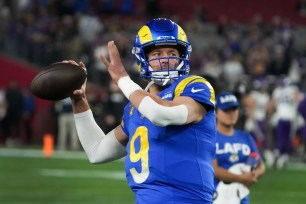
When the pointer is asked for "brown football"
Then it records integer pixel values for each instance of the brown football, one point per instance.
(57, 81)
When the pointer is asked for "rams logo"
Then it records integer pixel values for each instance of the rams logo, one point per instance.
(234, 157)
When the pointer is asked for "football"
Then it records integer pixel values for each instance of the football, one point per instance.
(57, 81)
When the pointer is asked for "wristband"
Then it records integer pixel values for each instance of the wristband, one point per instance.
(127, 86)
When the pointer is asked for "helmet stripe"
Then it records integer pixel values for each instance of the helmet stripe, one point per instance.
(145, 35)
(181, 34)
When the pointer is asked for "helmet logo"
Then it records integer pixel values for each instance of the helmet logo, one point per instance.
(165, 37)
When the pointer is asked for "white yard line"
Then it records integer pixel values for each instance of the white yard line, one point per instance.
(115, 175)
(36, 153)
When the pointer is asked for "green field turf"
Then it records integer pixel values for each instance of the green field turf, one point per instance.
(27, 177)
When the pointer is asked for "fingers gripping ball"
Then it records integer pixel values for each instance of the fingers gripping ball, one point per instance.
(57, 81)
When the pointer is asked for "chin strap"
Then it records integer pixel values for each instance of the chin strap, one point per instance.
(149, 85)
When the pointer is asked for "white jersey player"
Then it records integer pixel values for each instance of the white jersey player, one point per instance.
(284, 103)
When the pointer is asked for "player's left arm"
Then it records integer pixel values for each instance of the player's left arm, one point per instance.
(193, 98)
(182, 110)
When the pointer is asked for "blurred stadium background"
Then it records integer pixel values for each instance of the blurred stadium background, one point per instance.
(236, 44)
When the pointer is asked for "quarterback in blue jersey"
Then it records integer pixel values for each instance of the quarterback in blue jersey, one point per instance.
(167, 131)
(238, 164)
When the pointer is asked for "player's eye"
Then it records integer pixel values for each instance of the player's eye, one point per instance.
(155, 54)
(173, 54)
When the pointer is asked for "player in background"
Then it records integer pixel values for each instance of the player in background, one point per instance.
(168, 130)
(256, 103)
(302, 107)
(284, 118)
(67, 133)
(238, 164)
(302, 131)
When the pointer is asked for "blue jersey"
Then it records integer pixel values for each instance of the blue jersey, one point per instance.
(234, 149)
(172, 164)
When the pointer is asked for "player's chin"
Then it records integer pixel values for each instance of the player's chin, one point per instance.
(232, 124)
(229, 124)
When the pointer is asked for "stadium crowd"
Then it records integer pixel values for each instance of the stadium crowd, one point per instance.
(251, 60)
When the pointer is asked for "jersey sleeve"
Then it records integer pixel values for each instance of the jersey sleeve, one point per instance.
(125, 118)
(197, 88)
(252, 144)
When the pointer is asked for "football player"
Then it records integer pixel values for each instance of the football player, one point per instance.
(238, 164)
(283, 108)
(168, 130)
(302, 112)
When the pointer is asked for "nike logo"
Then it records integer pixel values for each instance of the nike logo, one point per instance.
(193, 90)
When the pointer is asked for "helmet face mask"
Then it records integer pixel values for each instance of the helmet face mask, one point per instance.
(162, 32)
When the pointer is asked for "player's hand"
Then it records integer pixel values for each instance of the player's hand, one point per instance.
(248, 179)
(79, 93)
(78, 97)
(255, 174)
(114, 66)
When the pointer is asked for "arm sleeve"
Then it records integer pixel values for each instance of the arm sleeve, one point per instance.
(99, 148)
(161, 115)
